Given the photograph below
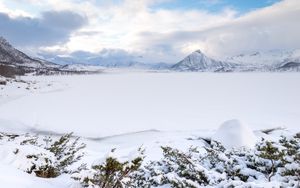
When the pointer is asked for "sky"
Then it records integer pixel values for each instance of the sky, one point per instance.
(149, 30)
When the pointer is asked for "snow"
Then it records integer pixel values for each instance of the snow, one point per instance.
(82, 67)
(235, 134)
(118, 103)
(128, 110)
(17, 179)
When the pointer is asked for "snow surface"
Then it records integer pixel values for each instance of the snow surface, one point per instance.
(15, 178)
(118, 103)
(129, 110)
(234, 134)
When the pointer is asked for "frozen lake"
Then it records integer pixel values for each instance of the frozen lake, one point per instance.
(117, 103)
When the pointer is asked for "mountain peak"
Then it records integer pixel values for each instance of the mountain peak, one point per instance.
(4, 42)
(198, 61)
(198, 51)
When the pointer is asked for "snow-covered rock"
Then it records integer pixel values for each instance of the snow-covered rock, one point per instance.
(290, 66)
(233, 133)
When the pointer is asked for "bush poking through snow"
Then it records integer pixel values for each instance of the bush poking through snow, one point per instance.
(273, 163)
(111, 173)
(291, 159)
(46, 158)
(177, 169)
(66, 151)
(220, 167)
(271, 155)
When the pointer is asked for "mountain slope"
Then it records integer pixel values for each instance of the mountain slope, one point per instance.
(104, 62)
(197, 61)
(289, 66)
(272, 61)
(11, 56)
(269, 61)
(14, 62)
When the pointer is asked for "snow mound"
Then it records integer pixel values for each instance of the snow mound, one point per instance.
(235, 134)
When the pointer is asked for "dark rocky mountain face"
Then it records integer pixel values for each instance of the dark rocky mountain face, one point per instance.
(11, 56)
(14, 62)
(290, 66)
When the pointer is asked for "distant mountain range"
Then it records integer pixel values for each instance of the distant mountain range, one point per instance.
(104, 61)
(271, 61)
(14, 62)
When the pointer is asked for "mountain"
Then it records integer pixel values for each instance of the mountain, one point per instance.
(269, 58)
(103, 61)
(14, 62)
(81, 67)
(198, 61)
(11, 56)
(260, 61)
(289, 66)
(272, 60)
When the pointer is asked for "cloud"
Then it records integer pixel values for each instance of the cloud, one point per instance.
(51, 28)
(143, 28)
(274, 27)
(105, 56)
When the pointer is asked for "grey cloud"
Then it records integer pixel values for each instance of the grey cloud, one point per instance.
(275, 27)
(54, 27)
(105, 57)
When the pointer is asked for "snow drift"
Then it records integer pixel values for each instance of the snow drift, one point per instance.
(233, 133)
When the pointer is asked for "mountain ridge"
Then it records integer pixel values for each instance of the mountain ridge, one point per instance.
(14, 62)
(271, 61)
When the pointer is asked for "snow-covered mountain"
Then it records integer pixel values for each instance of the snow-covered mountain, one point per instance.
(270, 61)
(81, 67)
(198, 61)
(271, 57)
(273, 60)
(14, 62)
(289, 66)
(103, 61)
(11, 56)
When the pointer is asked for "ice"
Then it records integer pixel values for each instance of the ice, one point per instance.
(118, 103)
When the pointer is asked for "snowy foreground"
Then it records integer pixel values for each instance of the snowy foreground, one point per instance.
(129, 110)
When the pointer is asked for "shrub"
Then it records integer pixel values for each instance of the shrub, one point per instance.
(271, 156)
(51, 158)
(177, 169)
(291, 159)
(65, 150)
(110, 173)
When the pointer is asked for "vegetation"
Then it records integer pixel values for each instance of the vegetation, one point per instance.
(276, 161)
